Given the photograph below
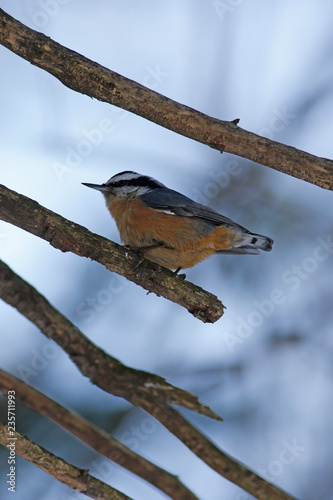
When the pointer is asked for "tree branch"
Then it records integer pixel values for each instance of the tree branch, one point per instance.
(70, 237)
(85, 76)
(150, 392)
(73, 477)
(202, 447)
(103, 370)
(96, 438)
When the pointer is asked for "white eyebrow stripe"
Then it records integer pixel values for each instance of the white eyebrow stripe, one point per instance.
(124, 177)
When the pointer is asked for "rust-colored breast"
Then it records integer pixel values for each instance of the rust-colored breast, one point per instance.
(134, 221)
(186, 240)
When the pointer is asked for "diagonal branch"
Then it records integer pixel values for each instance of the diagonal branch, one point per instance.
(103, 370)
(223, 463)
(85, 76)
(73, 477)
(150, 392)
(96, 438)
(70, 237)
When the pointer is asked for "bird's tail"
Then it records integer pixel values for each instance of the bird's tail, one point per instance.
(250, 243)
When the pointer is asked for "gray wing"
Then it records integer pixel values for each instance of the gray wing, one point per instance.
(170, 201)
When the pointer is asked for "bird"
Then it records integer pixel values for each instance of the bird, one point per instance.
(169, 228)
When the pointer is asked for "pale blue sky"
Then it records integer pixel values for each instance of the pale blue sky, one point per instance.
(266, 365)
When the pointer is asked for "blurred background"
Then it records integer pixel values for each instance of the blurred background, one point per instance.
(266, 365)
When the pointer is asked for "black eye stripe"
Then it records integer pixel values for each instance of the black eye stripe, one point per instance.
(138, 182)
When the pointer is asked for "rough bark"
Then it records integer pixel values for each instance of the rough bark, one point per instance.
(88, 77)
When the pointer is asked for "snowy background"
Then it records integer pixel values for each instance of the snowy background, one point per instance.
(266, 366)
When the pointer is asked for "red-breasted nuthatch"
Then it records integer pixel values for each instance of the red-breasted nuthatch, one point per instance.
(169, 228)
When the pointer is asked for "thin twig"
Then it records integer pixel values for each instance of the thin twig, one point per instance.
(85, 76)
(96, 438)
(147, 391)
(73, 477)
(70, 237)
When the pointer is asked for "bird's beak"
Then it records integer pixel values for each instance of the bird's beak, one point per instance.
(99, 187)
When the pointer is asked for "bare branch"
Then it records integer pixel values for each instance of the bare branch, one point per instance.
(85, 76)
(70, 237)
(202, 447)
(102, 369)
(95, 437)
(150, 392)
(73, 477)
